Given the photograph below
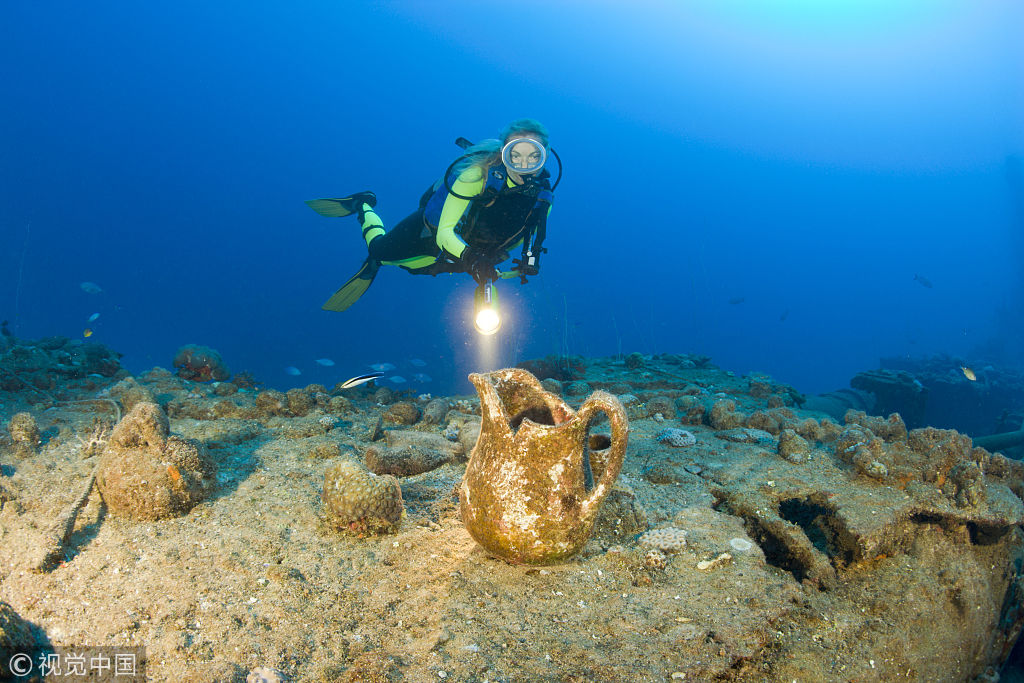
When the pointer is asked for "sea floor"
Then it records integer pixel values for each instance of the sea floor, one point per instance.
(822, 568)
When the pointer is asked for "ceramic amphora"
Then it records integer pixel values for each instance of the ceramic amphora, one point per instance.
(537, 477)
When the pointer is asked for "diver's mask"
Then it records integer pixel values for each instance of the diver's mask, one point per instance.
(524, 156)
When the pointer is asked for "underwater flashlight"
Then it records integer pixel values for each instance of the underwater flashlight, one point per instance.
(485, 309)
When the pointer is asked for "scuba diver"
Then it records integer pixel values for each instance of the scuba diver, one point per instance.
(493, 199)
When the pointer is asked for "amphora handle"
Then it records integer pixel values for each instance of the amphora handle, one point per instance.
(602, 401)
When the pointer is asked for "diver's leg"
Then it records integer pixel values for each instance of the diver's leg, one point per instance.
(373, 226)
(409, 239)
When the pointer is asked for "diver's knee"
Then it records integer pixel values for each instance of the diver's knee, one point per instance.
(375, 248)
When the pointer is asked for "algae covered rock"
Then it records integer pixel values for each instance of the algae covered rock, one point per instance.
(635, 409)
(578, 388)
(25, 434)
(724, 415)
(634, 360)
(809, 429)
(225, 388)
(403, 413)
(339, 405)
(128, 393)
(468, 435)
(146, 474)
(300, 402)
(793, 447)
(968, 483)
(552, 385)
(765, 421)
(221, 433)
(357, 500)
(271, 402)
(402, 438)
(405, 461)
(200, 363)
(621, 517)
(436, 411)
(692, 409)
(891, 428)
(663, 405)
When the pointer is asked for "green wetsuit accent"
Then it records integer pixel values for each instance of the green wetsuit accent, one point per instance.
(373, 226)
(470, 183)
(414, 262)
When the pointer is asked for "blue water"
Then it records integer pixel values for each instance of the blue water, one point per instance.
(807, 158)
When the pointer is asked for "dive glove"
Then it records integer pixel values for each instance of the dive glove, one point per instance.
(477, 264)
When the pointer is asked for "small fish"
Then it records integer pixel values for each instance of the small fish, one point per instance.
(968, 373)
(925, 282)
(417, 363)
(785, 314)
(292, 370)
(396, 379)
(326, 362)
(422, 378)
(737, 300)
(87, 332)
(360, 379)
(90, 287)
(382, 367)
(92, 318)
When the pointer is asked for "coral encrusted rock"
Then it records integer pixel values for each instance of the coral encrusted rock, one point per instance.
(677, 438)
(145, 474)
(667, 540)
(359, 501)
(200, 363)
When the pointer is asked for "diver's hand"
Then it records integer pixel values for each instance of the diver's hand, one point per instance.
(478, 265)
(526, 267)
(482, 271)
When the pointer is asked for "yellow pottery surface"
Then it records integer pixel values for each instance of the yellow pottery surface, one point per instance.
(526, 496)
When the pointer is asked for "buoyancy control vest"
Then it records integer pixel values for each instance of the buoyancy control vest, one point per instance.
(500, 216)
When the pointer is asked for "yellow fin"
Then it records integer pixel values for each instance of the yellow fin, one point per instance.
(350, 292)
(332, 208)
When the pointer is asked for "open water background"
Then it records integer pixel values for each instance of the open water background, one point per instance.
(756, 181)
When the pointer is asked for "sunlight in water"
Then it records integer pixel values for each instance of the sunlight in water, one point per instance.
(846, 16)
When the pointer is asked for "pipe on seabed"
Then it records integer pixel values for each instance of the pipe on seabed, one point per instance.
(996, 442)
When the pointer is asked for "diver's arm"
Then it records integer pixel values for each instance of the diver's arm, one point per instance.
(469, 184)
